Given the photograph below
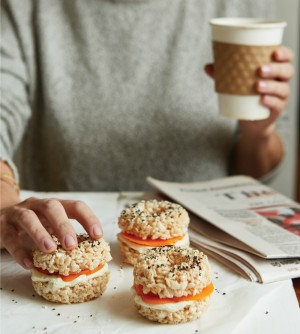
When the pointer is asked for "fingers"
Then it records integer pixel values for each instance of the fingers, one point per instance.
(15, 248)
(84, 215)
(21, 255)
(281, 68)
(27, 220)
(33, 220)
(283, 54)
(54, 213)
(209, 70)
(275, 87)
(275, 104)
(272, 87)
(279, 71)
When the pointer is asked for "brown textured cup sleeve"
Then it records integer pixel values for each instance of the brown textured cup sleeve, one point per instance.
(236, 66)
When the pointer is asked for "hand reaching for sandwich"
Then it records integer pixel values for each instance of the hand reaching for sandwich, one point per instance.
(34, 220)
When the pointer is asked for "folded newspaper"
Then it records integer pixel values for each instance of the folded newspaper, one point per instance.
(243, 223)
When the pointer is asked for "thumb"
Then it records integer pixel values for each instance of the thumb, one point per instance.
(209, 70)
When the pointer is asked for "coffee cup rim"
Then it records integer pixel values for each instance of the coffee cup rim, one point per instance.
(247, 23)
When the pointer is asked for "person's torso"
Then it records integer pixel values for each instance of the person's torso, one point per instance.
(119, 93)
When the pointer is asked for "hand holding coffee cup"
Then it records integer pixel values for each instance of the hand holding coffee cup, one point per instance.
(241, 46)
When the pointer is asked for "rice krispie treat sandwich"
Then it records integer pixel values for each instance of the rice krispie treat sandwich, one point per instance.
(149, 224)
(172, 284)
(73, 276)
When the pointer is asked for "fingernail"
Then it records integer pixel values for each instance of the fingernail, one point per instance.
(262, 86)
(279, 54)
(28, 263)
(49, 244)
(69, 241)
(265, 70)
(97, 231)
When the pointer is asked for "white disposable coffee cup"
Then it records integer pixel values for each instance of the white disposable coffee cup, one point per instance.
(241, 46)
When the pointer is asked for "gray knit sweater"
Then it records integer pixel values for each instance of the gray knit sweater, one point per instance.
(98, 94)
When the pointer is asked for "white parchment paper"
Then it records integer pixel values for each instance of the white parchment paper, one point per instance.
(237, 306)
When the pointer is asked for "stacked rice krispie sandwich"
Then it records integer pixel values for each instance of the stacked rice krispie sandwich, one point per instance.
(172, 284)
(149, 224)
(73, 276)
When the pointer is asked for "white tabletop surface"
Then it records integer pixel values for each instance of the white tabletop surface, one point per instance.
(237, 305)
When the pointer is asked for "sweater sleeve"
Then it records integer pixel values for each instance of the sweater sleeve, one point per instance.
(15, 107)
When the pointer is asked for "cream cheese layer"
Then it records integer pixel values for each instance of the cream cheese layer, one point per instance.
(55, 282)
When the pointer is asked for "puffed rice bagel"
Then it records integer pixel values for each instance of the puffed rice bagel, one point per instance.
(88, 256)
(151, 220)
(169, 272)
(154, 219)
